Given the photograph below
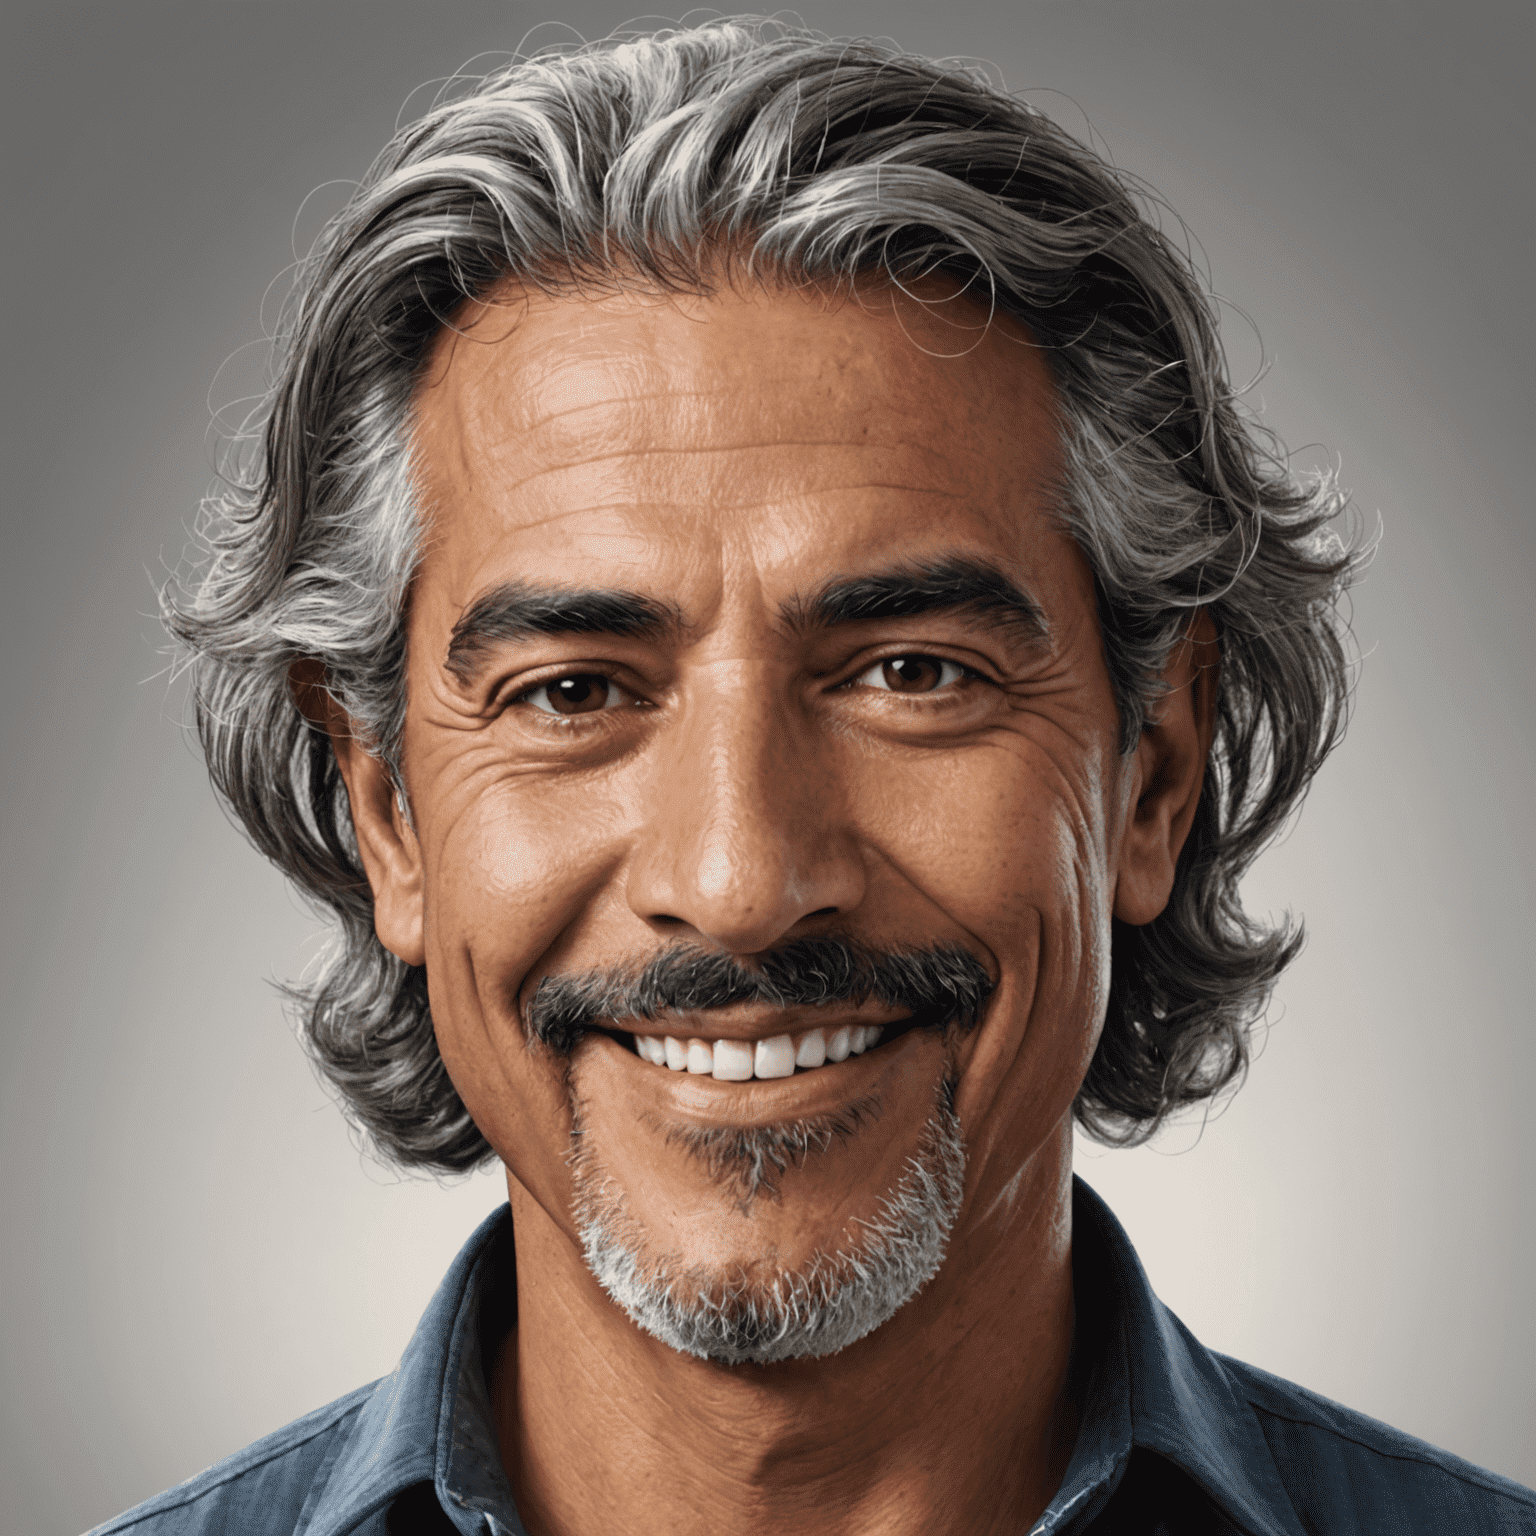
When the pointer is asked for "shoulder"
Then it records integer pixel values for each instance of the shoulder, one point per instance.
(1346, 1472)
(263, 1490)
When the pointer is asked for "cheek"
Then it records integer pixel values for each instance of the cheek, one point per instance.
(995, 836)
(510, 855)
(1016, 852)
(509, 865)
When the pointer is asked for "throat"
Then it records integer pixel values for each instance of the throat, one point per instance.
(900, 1432)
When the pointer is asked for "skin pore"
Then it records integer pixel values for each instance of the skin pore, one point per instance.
(743, 768)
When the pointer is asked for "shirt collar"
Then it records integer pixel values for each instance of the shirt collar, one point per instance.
(430, 1420)
(1147, 1382)
(1153, 1385)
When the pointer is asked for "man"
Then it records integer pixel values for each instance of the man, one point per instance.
(760, 617)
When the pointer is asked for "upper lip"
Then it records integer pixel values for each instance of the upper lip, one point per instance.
(753, 1021)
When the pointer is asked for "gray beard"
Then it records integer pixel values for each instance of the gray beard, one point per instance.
(816, 1310)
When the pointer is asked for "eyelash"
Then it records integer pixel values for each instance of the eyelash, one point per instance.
(964, 675)
(524, 696)
(943, 689)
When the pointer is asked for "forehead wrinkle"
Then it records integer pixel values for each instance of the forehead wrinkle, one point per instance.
(492, 431)
(636, 414)
(745, 446)
(647, 496)
(558, 515)
(707, 451)
(612, 404)
(477, 463)
(690, 508)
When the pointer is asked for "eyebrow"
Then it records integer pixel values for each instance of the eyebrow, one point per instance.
(517, 609)
(958, 584)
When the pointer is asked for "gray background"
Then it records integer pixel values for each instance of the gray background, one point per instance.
(195, 1251)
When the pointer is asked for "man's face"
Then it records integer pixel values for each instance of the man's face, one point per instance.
(648, 709)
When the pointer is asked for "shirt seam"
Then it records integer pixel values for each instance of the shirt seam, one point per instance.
(162, 1507)
(1516, 1496)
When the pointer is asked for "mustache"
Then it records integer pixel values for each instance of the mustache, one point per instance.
(942, 987)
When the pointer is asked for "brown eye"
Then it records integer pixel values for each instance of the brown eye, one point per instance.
(583, 694)
(912, 674)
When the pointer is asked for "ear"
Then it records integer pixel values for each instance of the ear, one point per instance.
(1168, 773)
(385, 838)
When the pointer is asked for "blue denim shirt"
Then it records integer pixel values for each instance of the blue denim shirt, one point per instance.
(1175, 1439)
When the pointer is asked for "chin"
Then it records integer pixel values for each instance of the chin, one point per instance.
(754, 1311)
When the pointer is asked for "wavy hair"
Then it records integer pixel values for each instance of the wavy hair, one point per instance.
(636, 163)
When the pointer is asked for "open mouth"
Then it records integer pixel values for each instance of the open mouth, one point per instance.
(740, 1061)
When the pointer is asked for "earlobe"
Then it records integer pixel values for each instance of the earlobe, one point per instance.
(1167, 775)
(386, 839)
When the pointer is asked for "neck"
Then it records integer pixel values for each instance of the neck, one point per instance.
(954, 1416)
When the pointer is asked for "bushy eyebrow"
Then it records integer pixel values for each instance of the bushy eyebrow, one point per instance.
(961, 584)
(517, 609)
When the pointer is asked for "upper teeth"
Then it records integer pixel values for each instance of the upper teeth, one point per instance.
(735, 1061)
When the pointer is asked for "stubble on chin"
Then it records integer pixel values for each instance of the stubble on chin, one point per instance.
(836, 1297)
(749, 1163)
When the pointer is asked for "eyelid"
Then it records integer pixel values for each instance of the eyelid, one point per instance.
(548, 677)
(867, 677)
(968, 670)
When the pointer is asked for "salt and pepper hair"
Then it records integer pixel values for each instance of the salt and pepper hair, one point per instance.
(634, 165)
(833, 1300)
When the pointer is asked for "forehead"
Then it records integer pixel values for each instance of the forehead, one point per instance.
(779, 429)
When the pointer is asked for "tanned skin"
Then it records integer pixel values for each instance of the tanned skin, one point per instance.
(738, 779)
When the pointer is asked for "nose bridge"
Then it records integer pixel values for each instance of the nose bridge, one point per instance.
(741, 838)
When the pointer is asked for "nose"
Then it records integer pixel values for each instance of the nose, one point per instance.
(744, 834)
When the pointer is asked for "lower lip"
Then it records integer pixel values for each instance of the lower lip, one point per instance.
(765, 1101)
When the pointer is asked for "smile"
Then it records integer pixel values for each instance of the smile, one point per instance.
(740, 1061)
